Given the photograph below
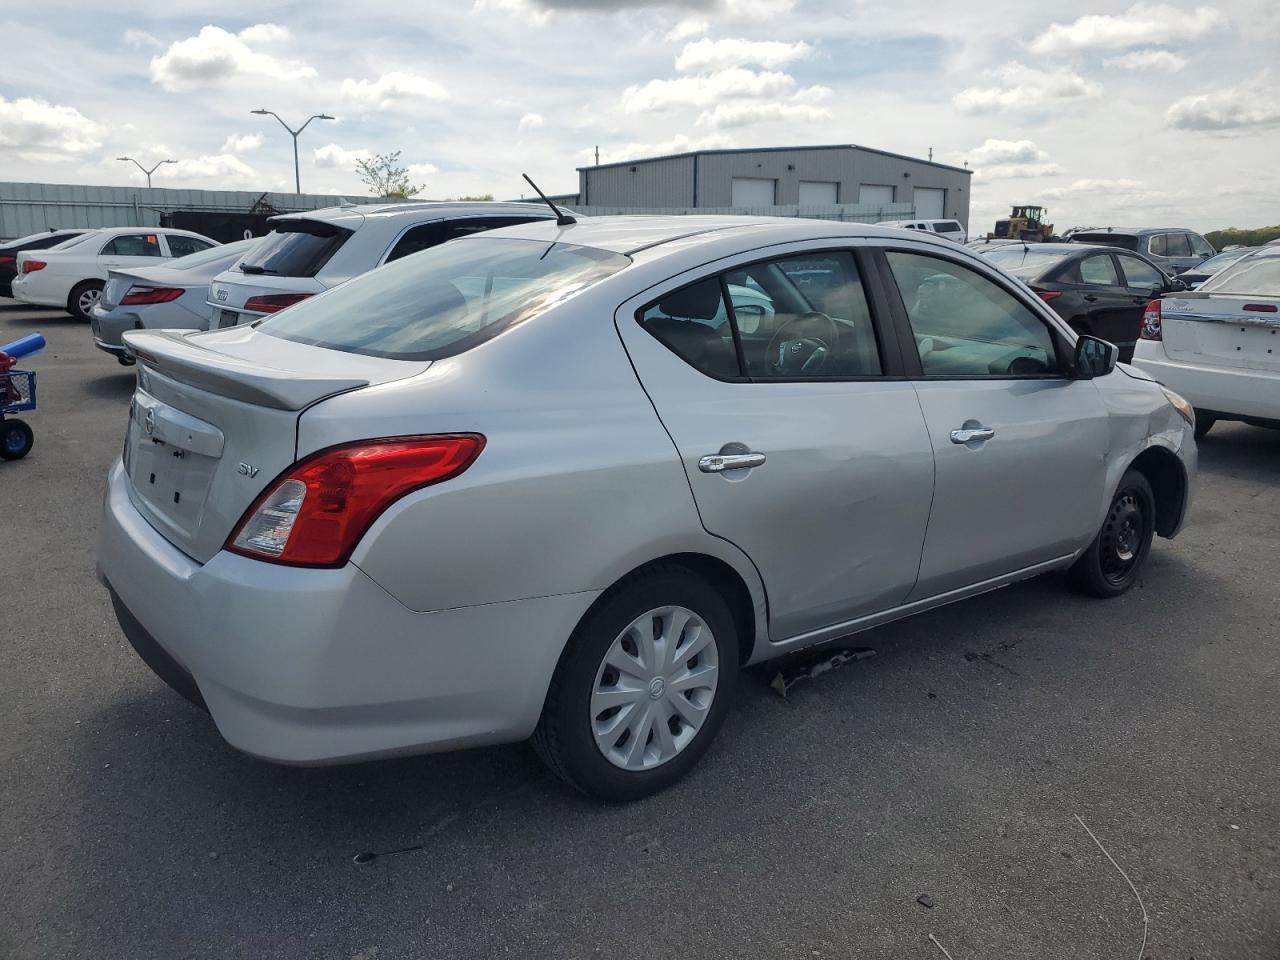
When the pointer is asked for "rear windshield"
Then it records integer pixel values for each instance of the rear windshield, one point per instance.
(1251, 277)
(1026, 262)
(445, 300)
(947, 226)
(296, 248)
(1126, 241)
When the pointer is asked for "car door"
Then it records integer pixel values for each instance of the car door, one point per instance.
(1018, 444)
(802, 441)
(130, 250)
(1142, 281)
(1110, 310)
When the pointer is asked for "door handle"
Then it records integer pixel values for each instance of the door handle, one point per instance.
(720, 462)
(969, 434)
(1090, 297)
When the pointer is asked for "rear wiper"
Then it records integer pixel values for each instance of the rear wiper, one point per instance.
(256, 270)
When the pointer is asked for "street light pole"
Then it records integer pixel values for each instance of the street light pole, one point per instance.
(297, 177)
(144, 169)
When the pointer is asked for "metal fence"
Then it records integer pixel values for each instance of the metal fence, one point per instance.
(851, 212)
(27, 208)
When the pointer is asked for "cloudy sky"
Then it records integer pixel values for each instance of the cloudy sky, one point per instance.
(1105, 112)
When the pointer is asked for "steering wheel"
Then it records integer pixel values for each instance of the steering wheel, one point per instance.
(802, 345)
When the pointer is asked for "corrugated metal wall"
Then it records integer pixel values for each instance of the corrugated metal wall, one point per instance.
(706, 180)
(851, 212)
(27, 208)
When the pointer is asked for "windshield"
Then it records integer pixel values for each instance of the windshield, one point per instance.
(223, 251)
(1214, 264)
(1024, 261)
(1257, 276)
(1125, 240)
(444, 300)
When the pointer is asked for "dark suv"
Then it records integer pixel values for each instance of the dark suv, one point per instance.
(1173, 249)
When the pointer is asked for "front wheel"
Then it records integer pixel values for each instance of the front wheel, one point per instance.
(16, 439)
(1111, 564)
(642, 686)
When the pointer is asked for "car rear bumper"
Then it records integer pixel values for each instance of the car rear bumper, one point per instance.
(321, 666)
(109, 326)
(28, 291)
(1229, 390)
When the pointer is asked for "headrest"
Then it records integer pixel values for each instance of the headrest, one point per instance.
(700, 301)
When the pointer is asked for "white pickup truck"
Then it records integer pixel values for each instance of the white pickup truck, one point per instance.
(1219, 346)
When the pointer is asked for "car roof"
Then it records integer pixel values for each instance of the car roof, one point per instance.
(1134, 231)
(415, 209)
(631, 234)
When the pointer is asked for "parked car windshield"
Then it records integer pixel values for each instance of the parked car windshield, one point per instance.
(1126, 240)
(1256, 276)
(1214, 264)
(220, 252)
(444, 300)
(296, 248)
(1025, 261)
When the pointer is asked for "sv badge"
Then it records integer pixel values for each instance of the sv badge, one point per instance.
(247, 470)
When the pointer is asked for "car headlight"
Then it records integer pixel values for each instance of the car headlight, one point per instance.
(1180, 404)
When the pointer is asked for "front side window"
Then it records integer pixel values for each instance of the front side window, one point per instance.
(1200, 247)
(133, 245)
(180, 246)
(446, 300)
(965, 325)
(1141, 275)
(1099, 271)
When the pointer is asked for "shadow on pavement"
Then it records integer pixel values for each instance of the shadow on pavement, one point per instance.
(1240, 450)
(118, 386)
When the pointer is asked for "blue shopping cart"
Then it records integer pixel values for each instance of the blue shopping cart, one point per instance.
(17, 395)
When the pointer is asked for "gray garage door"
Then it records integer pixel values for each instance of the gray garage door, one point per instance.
(930, 202)
(875, 193)
(753, 192)
(818, 193)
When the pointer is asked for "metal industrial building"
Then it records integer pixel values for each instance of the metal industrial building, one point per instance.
(805, 178)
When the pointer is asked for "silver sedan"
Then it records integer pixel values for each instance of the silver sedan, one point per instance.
(563, 481)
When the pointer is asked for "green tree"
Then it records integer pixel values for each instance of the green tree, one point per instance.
(1251, 237)
(484, 197)
(385, 178)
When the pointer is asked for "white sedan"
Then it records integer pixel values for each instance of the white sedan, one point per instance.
(1219, 346)
(73, 274)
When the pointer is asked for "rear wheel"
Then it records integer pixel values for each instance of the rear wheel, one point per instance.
(16, 439)
(82, 298)
(1204, 423)
(1112, 562)
(642, 687)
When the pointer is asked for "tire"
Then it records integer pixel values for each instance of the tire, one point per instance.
(125, 360)
(1204, 423)
(82, 298)
(572, 740)
(16, 439)
(1112, 562)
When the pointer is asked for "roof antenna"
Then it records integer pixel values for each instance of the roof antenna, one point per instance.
(562, 219)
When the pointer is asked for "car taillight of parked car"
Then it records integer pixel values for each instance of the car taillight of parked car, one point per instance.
(137, 296)
(1047, 295)
(274, 302)
(316, 512)
(31, 266)
(1151, 322)
(5, 258)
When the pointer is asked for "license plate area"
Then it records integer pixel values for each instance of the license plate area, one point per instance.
(1245, 345)
(227, 318)
(172, 460)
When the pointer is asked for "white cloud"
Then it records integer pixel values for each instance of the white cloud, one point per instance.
(1009, 160)
(1142, 23)
(1149, 60)
(688, 27)
(709, 55)
(138, 39)
(264, 33)
(521, 9)
(745, 114)
(680, 143)
(391, 90)
(242, 142)
(223, 171)
(213, 55)
(43, 132)
(1024, 88)
(658, 96)
(1253, 103)
(1094, 185)
(332, 155)
(530, 121)
(416, 170)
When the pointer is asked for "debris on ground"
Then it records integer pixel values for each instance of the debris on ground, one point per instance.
(806, 666)
(925, 901)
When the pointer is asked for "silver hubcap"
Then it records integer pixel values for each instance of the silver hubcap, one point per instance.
(654, 688)
(88, 299)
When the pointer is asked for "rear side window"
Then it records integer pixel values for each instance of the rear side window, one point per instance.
(1177, 245)
(133, 245)
(297, 248)
(446, 300)
(1158, 245)
(180, 246)
(964, 325)
(692, 323)
(1099, 271)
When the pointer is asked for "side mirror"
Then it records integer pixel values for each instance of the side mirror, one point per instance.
(1094, 358)
(1177, 284)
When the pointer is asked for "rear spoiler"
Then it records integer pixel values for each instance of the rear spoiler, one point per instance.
(172, 353)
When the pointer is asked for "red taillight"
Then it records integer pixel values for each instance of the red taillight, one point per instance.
(315, 513)
(1260, 307)
(136, 296)
(1047, 295)
(5, 258)
(274, 302)
(31, 266)
(1151, 322)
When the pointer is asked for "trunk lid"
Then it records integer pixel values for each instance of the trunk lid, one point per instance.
(214, 420)
(1222, 330)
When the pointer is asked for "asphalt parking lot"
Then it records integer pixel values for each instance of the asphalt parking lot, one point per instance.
(951, 766)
